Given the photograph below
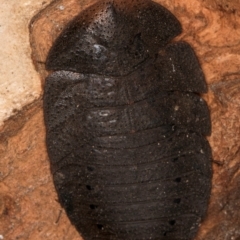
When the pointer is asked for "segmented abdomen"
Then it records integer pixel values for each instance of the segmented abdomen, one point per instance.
(128, 154)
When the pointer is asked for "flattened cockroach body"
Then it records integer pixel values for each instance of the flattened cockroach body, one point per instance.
(126, 126)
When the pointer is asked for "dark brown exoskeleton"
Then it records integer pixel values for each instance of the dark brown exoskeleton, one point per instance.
(126, 126)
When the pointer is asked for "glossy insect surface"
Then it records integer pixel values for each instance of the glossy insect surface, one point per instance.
(126, 126)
